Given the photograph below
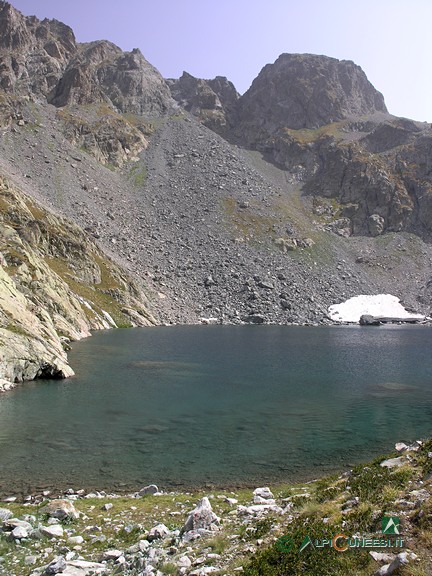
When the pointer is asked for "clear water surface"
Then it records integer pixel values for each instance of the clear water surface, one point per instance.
(192, 406)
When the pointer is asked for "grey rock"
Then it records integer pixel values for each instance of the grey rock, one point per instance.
(60, 509)
(111, 555)
(19, 532)
(84, 568)
(75, 540)
(368, 320)
(393, 462)
(11, 523)
(376, 224)
(388, 569)
(183, 562)
(253, 319)
(264, 493)
(5, 514)
(202, 517)
(151, 489)
(158, 532)
(57, 566)
(54, 531)
(259, 510)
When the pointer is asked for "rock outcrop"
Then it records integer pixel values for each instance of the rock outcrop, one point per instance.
(102, 72)
(305, 91)
(214, 102)
(55, 286)
(323, 122)
(33, 53)
(42, 60)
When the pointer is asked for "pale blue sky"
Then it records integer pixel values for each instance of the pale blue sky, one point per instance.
(390, 39)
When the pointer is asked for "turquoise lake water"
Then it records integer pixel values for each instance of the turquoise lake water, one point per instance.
(190, 406)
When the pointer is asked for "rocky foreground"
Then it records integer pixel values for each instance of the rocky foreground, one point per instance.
(259, 532)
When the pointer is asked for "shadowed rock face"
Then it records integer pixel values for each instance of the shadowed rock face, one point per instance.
(51, 290)
(305, 91)
(214, 102)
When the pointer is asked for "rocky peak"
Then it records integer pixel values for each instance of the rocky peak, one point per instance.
(13, 27)
(33, 53)
(212, 101)
(101, 71)
(42, 58)
(306, 91)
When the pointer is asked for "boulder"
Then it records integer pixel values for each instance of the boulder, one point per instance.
(388, 569)
(111, 555)
(263, 496)
(151, 489)
(57, 566)
(393, 462)
(368, 320)
(259, 510)
(5, 514)
(11, 523)
(60, 509)
(158, 532)
(202, 517)
(19, 532)
(376, 224)
(54, 531)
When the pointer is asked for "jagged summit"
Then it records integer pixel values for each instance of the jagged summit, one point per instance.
(213, 101)
(42, 58)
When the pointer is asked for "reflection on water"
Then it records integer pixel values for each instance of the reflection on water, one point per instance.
(222, 405)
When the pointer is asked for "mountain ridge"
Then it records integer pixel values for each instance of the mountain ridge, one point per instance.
(218, 210)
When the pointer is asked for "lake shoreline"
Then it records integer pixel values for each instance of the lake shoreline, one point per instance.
(196, 533)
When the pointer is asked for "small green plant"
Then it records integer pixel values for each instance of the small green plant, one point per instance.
(262, 527)
(326, 489)
(290, 559)
(361, 519)
(168, 568)
(218, 544)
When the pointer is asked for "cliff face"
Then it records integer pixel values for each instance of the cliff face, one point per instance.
(55, 286)
(42, 60)
(214, 102)
(305, 91)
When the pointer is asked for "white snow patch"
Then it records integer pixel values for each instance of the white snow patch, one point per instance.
(374, 305)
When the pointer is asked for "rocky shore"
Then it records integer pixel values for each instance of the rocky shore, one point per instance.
(249, 532)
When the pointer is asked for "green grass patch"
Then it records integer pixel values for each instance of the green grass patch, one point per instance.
(98, 296)
(283, 558)
(138, 175)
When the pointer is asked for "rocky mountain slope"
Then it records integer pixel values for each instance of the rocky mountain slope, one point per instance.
(55, 286)
(322, 121)
(223, 208)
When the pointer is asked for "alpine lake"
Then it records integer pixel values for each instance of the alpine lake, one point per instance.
(199, 406)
